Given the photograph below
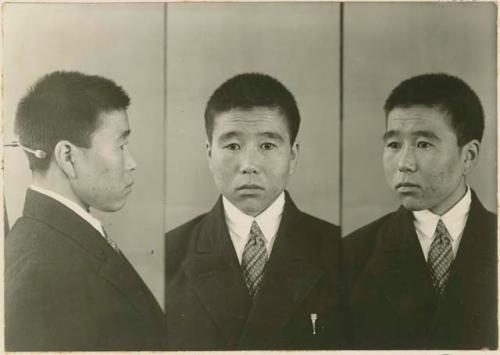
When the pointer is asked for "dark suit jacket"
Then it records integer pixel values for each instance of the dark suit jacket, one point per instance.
(207, 302)
(391, 300)
(66, 288)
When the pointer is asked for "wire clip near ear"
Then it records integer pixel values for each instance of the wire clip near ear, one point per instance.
(38, 153)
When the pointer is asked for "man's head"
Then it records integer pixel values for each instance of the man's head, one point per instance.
(252, 122)
(434, 126)
(80, 122)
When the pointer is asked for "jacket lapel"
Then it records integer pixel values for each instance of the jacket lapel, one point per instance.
(118, 271)
(215, 274)
(289, 276)
(400, 269)
(474, 258)
(112, 267)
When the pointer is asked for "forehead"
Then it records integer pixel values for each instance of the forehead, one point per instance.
(255, 120)
(419, 118)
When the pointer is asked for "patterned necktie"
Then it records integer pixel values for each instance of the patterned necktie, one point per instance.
(110, 241)
(440, 258)
(254, 259)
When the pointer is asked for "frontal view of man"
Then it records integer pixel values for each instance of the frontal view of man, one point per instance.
(255, 272)
(67, 285)
(425, 276)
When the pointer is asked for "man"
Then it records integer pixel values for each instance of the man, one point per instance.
(67, 285)
(255, 272)
(425, 276)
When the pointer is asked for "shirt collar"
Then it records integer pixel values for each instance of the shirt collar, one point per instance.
(94, 222)
(268, 220)
(454, 219)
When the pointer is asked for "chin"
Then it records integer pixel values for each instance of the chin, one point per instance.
(112, 208)
(250, 210)
(411, 205)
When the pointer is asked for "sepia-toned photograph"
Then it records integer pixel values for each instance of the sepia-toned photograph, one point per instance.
(249, 176)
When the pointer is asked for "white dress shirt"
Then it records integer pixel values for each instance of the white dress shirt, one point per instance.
(94, 222)
(426, 222)
(239, 224)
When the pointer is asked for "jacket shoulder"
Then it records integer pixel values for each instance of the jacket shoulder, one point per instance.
(35, 250)
(38, 256)
(483, 222)
(319, 226)
(179, 237)
(31, 244)
(490, 219)
(177, 244)
(363, 239)
(321, 239)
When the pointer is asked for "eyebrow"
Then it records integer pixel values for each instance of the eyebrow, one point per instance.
(125, 134)
(272, 135)
(232, 134)
(425, 134)
(228, 135)
(389, 134)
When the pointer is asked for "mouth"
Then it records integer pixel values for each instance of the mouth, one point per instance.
(249, 187)
(406, 187)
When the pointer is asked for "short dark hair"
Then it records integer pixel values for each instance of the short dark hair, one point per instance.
(251, 90)
(448, 93)
(64, 106)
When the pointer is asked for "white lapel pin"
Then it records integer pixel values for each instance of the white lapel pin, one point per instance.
(314, 317)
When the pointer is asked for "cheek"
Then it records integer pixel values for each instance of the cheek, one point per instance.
(221, 166)
(389, 164)
(277, 173)
(230, 162)
(110, 172)
(442, 174)
(280, 162)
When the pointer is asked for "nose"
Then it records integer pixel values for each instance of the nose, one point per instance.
(407, 160)
(249, 163)
(130, 163)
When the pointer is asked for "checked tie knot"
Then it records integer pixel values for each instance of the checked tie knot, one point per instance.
(256, 235)
(442, 233)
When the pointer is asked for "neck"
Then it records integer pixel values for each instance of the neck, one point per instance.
(57, 182)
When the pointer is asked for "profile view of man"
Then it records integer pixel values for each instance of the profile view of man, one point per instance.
(254, 272)
(67, 285)
(425, 276)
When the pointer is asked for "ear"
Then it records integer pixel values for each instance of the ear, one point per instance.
(64, 155)
(208, 147)
(294, 157)
(470, 155)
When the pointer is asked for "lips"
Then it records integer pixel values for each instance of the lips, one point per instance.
(406, 187)
(249, 187)
(406, 184)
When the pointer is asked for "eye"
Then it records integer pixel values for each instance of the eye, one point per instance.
(268, 146)
(393, 145)
(424, 145)
(232, 146)
(124, 146)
